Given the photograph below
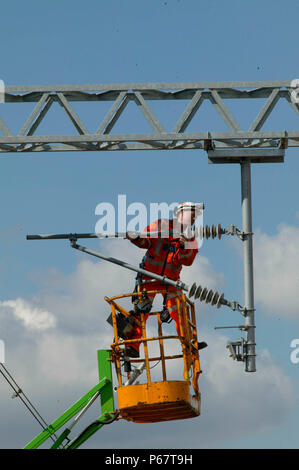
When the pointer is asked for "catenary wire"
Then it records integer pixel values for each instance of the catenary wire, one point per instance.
(18, 391)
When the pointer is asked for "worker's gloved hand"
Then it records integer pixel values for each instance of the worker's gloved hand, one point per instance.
(132, 235)
(183, 240)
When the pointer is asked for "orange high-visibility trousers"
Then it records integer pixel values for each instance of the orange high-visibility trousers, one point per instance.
(170, 302)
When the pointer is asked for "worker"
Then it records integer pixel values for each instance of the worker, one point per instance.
(165, 256)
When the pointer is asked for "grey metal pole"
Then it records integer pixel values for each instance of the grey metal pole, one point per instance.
(203, 294)
(164, 279)
(250, 365)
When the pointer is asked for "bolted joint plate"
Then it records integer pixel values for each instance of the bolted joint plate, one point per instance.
(260, 155)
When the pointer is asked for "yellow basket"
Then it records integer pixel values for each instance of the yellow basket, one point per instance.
(168, 399)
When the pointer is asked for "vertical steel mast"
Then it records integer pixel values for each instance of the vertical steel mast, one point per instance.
(248, 266)
(244, 348)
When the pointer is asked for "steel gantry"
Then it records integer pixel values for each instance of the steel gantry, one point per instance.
(28, 139)
(236, 145)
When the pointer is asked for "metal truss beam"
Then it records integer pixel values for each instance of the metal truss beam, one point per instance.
(28, 139)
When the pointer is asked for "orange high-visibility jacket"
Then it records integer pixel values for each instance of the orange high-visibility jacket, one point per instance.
(165, 256)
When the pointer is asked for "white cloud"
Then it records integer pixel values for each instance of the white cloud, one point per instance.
(203, 274)
(32, 317)
(238, 402)
(276, 269)
(65, 359)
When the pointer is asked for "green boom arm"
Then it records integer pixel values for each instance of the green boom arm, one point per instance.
(103, 388)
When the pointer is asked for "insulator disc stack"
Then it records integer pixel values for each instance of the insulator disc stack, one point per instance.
(207, 295)
(212, 231)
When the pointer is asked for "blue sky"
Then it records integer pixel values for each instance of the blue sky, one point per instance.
(71, 42)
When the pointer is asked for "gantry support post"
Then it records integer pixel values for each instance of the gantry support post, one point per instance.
(248, 266)
(244, 349)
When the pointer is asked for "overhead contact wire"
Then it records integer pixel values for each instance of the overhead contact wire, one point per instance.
(18, 391)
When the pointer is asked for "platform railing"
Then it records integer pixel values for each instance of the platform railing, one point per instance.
(187, 338)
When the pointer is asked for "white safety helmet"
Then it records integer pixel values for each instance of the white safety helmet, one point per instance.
(197, 206)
